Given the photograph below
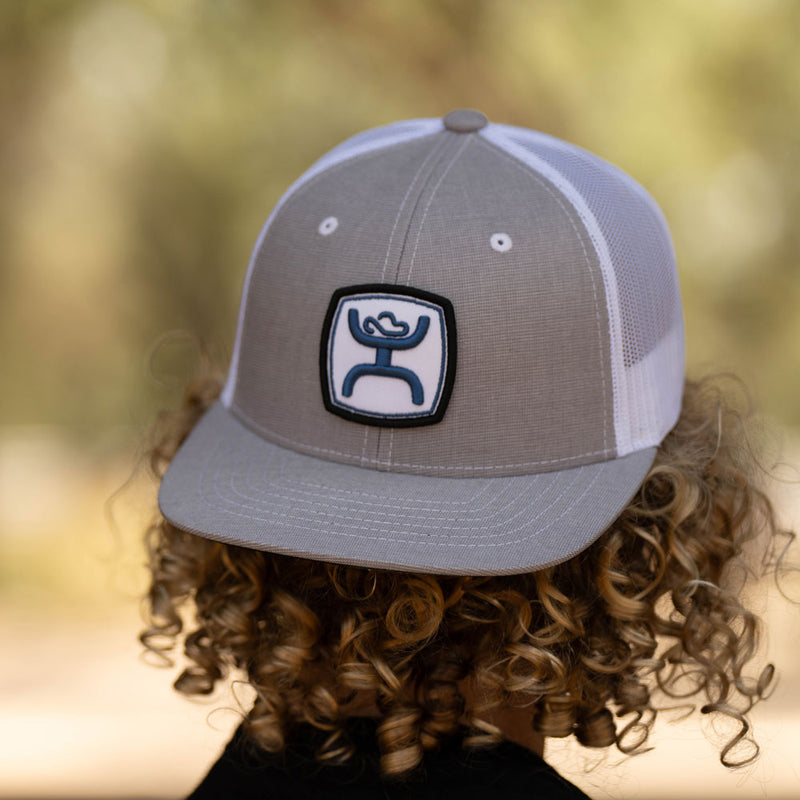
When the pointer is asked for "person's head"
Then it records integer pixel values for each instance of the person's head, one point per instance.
(649, 611)
(455, 465)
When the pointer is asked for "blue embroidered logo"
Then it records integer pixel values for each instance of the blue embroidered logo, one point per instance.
(386, 344)
(387, 355)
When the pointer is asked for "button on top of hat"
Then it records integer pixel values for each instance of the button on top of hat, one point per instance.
(465, 120)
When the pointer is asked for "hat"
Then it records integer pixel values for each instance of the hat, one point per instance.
(459, 347)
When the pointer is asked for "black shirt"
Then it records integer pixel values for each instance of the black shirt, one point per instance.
(507, 771)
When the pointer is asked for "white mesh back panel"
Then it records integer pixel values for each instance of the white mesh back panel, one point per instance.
(639, 273)
(364, 142)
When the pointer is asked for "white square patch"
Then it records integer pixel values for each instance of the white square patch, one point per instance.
(388, 355)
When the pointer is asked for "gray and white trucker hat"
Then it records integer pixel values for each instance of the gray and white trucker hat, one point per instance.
(459, 346)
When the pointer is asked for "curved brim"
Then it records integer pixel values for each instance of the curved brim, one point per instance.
(227, 483)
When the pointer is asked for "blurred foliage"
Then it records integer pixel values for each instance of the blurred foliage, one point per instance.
(142, 144)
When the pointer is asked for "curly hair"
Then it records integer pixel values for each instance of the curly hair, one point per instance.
(652, 604)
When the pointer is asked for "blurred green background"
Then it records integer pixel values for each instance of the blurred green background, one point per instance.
(143, 144)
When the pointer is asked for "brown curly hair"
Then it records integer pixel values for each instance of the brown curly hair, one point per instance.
(652, 604)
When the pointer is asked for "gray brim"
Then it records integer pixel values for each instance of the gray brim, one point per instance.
(228, 483)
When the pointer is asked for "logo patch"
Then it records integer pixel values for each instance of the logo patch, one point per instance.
(388, 355)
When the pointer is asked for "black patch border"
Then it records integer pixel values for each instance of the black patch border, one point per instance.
(450, 370)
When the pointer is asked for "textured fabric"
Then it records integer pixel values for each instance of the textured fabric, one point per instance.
(637, 263)
(532, 389)
(357, 145)
(525, 411)
(232, 485)
(507, 771)
(465, 120)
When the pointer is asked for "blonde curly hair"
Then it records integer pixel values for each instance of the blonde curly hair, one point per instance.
(652, 604)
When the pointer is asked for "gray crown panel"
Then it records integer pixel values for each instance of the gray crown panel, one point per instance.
(532, 389)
